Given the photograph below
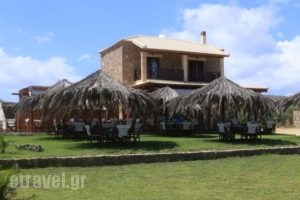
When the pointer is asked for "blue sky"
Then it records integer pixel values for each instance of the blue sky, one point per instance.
(42, 42)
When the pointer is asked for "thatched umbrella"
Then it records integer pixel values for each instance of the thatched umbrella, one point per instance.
(44, 99)
(161, 97)
(29, 103)
(293, 100)
(222, 93)
(26, 104)
(96, 91)
(164, 94)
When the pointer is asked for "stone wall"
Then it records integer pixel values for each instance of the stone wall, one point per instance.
(123, 62)
(111, 62)
(131, 62)
(102, 160)
(212, 64)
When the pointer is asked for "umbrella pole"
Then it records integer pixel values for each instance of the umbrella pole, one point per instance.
(100, 119)
(223, 111)
(208, 117)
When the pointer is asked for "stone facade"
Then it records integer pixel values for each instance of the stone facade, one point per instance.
(112, 62)
(132, 63)
(123, 62)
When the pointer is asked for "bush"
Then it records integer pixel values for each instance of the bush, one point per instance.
(3, 144)
(6, 192)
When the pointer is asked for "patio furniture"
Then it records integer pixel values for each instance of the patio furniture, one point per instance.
(94, 122)
(253, 131)
(123, 132)
(186, 125)
(11, 124)
(135, 134)
(270, 127)
(239, 129)
(92, 137)
(38, 124)
(162, 126)
(26, 123)
(225, 132)
(58, 128)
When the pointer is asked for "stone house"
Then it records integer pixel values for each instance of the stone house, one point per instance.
(152, 62)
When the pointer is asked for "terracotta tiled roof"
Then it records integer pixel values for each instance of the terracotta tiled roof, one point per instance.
(166, 44)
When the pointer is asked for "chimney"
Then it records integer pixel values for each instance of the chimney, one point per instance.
(203, 37)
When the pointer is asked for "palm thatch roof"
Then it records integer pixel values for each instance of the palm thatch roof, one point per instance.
(29, 103)
(96, 91)
(293, 100)
(26, 104)
(277, 98)
(45, 98)
(164, 94)
(9, 109)
(221, 93)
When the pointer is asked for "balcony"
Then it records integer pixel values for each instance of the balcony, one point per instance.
(177, 75)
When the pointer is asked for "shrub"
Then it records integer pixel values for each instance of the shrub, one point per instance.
(3, 144)
(6, 192)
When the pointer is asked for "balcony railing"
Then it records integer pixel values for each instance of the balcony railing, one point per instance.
(176, 75)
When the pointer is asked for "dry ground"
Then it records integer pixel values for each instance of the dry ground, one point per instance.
(289, 131)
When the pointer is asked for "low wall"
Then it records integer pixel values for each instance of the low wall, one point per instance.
(103, 160)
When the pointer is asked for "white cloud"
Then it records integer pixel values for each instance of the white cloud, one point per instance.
(256, 57)
(84, 57)
(19, 72)
(45, 38)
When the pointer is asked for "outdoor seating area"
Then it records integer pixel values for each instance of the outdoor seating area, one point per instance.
(248, 131)
(179, 126)
(11, 124)
(112, 131)
(89, 113)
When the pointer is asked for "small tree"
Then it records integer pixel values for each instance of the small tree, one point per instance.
(3, 144)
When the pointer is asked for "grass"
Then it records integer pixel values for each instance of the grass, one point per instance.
(257, 177)
(149, 143)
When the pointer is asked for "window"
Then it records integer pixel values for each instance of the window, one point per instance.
(195, 71)
(152, 67)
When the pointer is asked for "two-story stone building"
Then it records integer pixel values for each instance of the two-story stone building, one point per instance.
(152, 62)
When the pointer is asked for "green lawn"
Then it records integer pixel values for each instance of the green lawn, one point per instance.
(149, 143)
(258, 177)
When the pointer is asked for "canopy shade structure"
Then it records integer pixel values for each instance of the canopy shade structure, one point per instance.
(41, 101)
(223, 94)
(96, 91)
(293, 100)
(26, 104)
(45, 98)
(164, 94)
